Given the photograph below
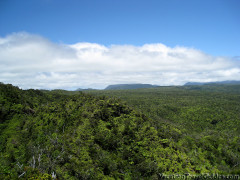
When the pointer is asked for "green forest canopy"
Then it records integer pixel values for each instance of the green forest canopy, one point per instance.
(121, 134)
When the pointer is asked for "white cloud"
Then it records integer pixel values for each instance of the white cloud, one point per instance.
(31, 61)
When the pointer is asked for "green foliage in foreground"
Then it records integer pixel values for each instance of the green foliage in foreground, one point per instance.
(50, 134)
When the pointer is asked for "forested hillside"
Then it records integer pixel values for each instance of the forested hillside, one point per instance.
(202, 121)
(48, 134)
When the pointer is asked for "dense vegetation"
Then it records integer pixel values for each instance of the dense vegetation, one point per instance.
(75, 135)
(201, 121)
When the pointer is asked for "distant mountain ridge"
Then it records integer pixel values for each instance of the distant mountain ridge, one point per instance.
(212, 83)
(129, 86)
(80, 89)
(140, 86)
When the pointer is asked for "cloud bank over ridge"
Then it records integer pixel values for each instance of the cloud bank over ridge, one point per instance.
(31, 61)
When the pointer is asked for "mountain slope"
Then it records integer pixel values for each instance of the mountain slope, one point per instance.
(204, 121)
(49, 133)
(46, 134)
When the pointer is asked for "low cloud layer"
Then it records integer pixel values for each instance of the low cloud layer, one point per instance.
(31, 61)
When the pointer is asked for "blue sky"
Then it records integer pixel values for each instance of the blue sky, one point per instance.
(212, 26)
(93, 43)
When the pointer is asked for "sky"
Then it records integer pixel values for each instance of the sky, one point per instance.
(52, 44)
